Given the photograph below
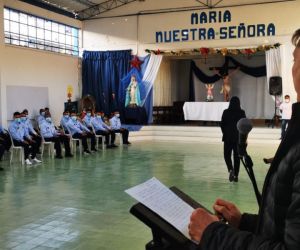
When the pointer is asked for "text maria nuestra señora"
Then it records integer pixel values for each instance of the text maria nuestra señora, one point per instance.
(243, 30)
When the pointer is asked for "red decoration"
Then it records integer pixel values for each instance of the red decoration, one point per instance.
(157, 52)
(136, 63)
(204, 52)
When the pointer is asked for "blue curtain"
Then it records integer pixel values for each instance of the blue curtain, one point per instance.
(101, 74)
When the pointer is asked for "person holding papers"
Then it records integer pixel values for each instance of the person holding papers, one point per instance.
(277, 225)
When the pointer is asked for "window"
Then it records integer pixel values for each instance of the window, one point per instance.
(35, 32)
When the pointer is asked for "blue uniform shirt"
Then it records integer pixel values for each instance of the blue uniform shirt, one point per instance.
(40, 119)
(48, 129)
(99, 124)
(76, 127)
(29, 127)
(115, 123)
(64, 121)
(18, 131)
(88, 120)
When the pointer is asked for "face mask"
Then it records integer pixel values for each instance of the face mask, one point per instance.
(118, 115)
(89, 114)
(74, 118)
(23, 118)
(66, 116)
(99, 116)
(43, 113)
(287, 100)
(18, 120)
(48, 119)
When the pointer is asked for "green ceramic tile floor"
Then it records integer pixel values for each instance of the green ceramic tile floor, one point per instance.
(81, 204)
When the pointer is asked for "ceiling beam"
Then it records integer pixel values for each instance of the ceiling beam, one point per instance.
(102, 8)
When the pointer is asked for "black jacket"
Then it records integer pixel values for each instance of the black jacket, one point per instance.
(229, 120)
(277, 226)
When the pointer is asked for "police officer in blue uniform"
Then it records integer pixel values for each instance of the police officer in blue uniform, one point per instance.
(116, 126)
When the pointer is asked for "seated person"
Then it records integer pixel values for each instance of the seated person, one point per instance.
(87, 119)
(50, 133)
(116, 126)
(79, 131)
(103, 129)
(5, 139)
(28, 125)
(64, 120)
(2, 149)
(41, 117)
(21, 138)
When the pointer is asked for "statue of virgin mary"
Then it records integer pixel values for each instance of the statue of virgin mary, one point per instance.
(133, 98)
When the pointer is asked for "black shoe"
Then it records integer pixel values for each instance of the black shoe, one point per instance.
(58, 157)
(235, 178)
(69, 155)
(231, 176)
(113, 145)
(127, 143)
(87, 152)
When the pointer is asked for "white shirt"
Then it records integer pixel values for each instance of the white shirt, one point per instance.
(286, 110)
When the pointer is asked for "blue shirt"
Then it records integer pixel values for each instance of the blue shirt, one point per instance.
(88, 120)
(29, 127)
(1, 129)
(98, 124)
(115, 123)
(64, 121)
(48, 129)
(76, 127)
(18, 131)
(40, 119)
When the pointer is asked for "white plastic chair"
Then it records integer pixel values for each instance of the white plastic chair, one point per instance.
(50, 146)
(97, 138)
(119, 135)
(18, 148)
(73, 142)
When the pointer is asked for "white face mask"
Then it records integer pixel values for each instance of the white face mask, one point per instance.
(48, 119)
(287, 100)
(74, 118)
(117, 115)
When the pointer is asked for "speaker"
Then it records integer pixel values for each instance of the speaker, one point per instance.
(275, 85)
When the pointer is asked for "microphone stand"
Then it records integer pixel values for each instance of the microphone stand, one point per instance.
(248, 164)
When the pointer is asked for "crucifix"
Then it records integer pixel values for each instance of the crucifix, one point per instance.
(225, 75)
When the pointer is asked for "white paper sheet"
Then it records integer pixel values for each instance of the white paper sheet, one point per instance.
(160, 199)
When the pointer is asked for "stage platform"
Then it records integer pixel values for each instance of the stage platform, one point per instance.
(200, 134)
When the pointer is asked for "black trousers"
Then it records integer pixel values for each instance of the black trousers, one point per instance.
(124, 133)
(29, 148)
(83, 138)
(36, 138)
(6, 142)
(57, 144)
(107, 133)
(229, 149)
(2, 150)
(284, 123)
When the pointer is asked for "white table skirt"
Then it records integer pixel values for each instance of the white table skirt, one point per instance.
(204, 111)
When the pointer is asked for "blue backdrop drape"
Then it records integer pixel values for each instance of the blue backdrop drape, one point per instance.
(101, 74)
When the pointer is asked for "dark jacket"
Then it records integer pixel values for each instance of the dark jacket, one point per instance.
(277, 226)
(229, 120)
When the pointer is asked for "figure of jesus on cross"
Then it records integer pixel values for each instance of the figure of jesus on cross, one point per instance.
(226, 83)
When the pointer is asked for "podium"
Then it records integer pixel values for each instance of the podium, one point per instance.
(165, 236)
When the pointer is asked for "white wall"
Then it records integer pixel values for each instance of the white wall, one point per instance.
(30, 67)
(138, 32)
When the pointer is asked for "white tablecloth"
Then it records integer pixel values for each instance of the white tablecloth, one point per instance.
(204, 111)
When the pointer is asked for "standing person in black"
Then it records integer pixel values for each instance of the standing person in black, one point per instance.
(230, 138)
